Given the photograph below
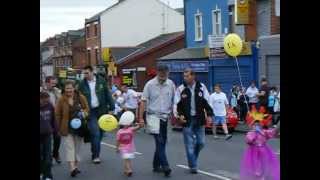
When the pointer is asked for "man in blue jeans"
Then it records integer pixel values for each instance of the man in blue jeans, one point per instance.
(95, 89)
(158, 96)
(192, 110)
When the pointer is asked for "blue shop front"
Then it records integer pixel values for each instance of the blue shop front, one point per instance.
(202, 20)
(210, 72)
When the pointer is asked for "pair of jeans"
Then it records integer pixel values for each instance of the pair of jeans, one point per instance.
(95, 132)
(194, 140)
(56, 145)
(45, 156)
(160, 158)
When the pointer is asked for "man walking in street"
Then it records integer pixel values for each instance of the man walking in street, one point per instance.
(95, 89)
(219, 103)
(158, 96)
(252, 92)
(263, 93)
(130, 99)
(54, 95)
(192, 111)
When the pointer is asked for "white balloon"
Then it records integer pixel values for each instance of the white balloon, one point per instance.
(126, 118)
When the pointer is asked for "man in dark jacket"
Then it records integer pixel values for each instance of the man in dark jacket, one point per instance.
(192, 110)
(95, 89)
(47, 128)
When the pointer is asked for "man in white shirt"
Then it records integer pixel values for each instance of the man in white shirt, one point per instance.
(252, 92)
(219, 103)
(130, 99)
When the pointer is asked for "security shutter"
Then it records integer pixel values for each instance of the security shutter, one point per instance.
(273, 70)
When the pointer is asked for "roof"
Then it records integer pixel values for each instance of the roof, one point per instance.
(119, 53)
(96, 17)
(186, 53)
(153, 44)
(180, 10)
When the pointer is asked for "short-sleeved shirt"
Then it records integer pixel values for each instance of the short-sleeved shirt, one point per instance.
(159, 97)
(125, 137)
(252, 92)
(218, 102)
(131, 99)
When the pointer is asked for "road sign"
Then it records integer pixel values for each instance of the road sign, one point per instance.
(215, 44)
(63, 74)
(242, 12)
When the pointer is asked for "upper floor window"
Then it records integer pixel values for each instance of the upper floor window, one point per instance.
(216, 21)
(96, 29)
(198, 26)
(88, 31)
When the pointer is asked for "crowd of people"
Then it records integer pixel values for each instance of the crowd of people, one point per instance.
(190, 103)
(242, 100)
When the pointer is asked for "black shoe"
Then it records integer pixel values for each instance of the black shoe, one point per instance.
(167, 172)
(74, 173)
(129, 174)
(57, 159)
(157, 170)
(78, 171)
(228, 136)
(193, 171)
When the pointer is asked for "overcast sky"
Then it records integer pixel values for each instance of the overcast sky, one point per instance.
(57, 16)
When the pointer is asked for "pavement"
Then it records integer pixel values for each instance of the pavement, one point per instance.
(219, 160)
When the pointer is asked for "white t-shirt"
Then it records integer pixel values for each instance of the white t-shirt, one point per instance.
(218, 102)
(131, 99)
(251, 92)
(94, 99)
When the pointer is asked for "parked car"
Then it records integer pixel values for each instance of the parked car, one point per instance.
(232, 122)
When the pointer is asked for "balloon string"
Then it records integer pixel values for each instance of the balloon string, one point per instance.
(242, 88)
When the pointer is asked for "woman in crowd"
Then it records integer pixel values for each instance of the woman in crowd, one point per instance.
(67, 108)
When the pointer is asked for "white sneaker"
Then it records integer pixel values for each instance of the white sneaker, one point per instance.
(215, 137)
(48, 179)
(96, 161)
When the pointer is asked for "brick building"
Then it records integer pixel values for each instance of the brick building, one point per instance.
(93, 40)
(139, 66)
(68, 51)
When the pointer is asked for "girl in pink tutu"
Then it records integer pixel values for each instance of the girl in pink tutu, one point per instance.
(125, 140)
(259, 161)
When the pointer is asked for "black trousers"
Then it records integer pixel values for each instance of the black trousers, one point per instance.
(45, 156)
(56, 145)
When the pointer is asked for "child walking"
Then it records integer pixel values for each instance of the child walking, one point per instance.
(47, 128)
(259, 161)
(125, 140)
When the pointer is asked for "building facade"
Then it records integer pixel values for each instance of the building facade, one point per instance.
(132, 22)
(205, 20)
(136, 69)
(93, 40)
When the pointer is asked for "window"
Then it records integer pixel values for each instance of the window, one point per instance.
(96, 29)
(88, 31)
(97, 56)
(89, 56)
(198, 26)
(216, 21)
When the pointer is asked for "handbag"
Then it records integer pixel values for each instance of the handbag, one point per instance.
(83, 130)
(153, 124)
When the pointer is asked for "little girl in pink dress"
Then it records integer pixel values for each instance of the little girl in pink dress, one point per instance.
(125, 141)
(259, 161)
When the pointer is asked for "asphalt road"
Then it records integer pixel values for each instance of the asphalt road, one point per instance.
(219, 160)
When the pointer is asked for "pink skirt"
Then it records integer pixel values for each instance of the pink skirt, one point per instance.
(260, 163)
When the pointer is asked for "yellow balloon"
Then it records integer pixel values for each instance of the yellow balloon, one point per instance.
(108, 122)
(233, 44)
